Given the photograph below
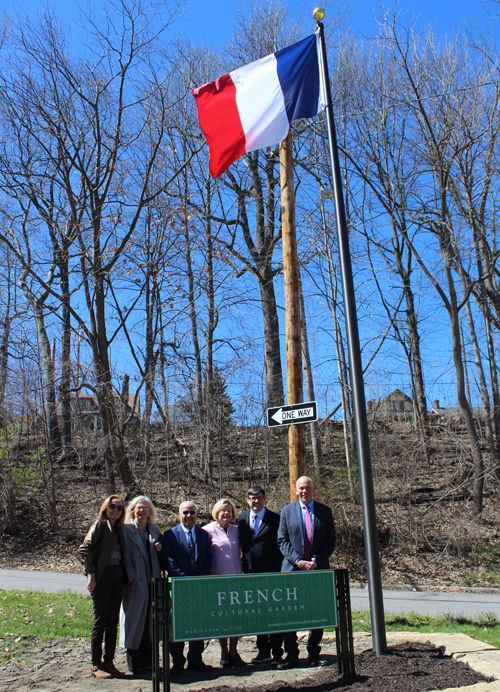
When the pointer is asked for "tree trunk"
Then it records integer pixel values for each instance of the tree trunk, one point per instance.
(482, 386)
(193, 317)
(309, 382)
(4, 360)
(210, 424)
(477, 458)
(272, 356)
(65, 386)
(416, 359)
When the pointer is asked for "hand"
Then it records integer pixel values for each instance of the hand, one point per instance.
(158, 546)
(91, 582)
(306, 565)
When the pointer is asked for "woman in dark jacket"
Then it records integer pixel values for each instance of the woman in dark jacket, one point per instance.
(102, 556)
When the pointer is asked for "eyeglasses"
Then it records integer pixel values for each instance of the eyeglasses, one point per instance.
(116, 508)
(189, 513)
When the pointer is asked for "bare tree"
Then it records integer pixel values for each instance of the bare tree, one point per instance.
(91, 117)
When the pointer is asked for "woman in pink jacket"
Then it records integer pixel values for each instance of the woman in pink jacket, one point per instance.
(226, 560)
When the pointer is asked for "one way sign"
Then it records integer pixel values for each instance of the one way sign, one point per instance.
(295, 413)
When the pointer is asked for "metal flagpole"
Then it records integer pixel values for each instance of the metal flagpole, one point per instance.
(356, 370)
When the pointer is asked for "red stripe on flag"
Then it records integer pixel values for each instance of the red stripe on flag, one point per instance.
(220, 121)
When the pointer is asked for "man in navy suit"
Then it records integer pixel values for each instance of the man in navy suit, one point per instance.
(258, 528)
(306, 538)
(187, 551)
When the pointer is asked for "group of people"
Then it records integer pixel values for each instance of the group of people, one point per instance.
(124, 550)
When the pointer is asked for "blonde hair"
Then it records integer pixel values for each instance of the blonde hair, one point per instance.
(103, 511)
(223, 503)
(129, 513)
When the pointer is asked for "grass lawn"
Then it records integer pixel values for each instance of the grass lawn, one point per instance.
(34, 617)
(484, 628)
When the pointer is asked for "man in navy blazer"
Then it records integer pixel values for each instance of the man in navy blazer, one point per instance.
(187, 551)
(258, 528)
(306, 553)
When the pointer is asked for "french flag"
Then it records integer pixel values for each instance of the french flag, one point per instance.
(252, 107)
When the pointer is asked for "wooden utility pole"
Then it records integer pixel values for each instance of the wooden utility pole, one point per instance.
(291, 273)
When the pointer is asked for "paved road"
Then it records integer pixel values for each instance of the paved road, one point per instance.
(50, 582)
(431, 602)
(396, 602)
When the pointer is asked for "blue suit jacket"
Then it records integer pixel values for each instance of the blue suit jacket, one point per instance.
(176, 553)
(291, 536)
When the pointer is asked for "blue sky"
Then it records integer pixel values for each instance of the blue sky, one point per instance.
(212, 22)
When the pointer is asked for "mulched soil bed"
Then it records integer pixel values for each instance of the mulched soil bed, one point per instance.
(408, 667)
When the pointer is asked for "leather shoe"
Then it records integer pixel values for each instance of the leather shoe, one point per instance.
(276, 661)
(176, 670)
(315, 662)
(98, 671)
(262, 658)
(288, 663)
(199, 667)
(114, 672)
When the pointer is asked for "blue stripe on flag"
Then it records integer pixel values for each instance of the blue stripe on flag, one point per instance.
(298, 73)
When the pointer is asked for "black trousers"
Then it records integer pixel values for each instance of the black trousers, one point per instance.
(106, 598)
(270, 643)
(194, 654)
(313, 644)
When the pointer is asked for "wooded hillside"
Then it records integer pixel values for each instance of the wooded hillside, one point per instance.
(426, 531)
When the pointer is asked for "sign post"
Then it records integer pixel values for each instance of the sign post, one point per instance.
(235, 605)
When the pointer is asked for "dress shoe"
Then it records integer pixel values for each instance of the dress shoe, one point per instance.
(98, 671)
(262, 658)
(288, 663)
(176, 670)
(114, 672)
(276, 661)
(315, 662)
(199, 667)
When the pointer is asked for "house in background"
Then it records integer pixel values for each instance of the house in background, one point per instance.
(395, 405)
(86, 406)
(183, 411)
(454, 412)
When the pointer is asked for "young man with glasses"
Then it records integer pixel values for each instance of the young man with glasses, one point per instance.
(187, 551)
(258, 528)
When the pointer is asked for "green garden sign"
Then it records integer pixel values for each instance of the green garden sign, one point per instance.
(236, 605)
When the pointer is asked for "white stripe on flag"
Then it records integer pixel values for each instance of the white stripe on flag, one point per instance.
(260, 103)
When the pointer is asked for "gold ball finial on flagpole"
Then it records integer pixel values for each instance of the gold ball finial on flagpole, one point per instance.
(318, 14)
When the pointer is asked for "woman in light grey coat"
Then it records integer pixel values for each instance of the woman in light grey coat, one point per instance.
(141, 545)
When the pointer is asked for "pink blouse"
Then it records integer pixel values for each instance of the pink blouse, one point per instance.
(225, 548)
